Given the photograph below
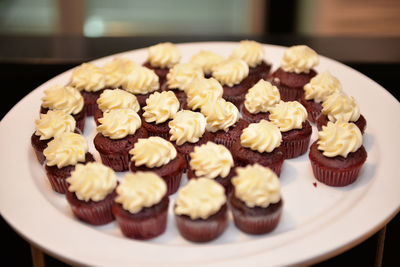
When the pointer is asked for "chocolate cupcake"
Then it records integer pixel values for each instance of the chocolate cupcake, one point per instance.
(291, 118)
(90, 81)
(66, 99)
(115, 99)
(341, 107)
(116, 70)
(258, 100)
(141, 205)
(91, 193)
(260, 143)
(296, 70)
(118, 131)
(338, 154)
(207, 60)
(316, 92)
(62, 154)
(212, 161)
(201, 213)
(159, 110)
(50, 125)
(202, 91)
(160, 156)
(256, 202)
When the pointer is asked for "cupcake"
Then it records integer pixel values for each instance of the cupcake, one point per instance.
(141, 205)
(66, 99)
(179, 78)
(159, 110)
(316, 92)
(116, 70)
(187, 130)
(212, 161)
(91, 193)
(233, 74)
(338, 154)
(256, 201)
(162, 57)
(90, 81)
(115, 99)
(202, 91)
(62, 154)
(160, 156)
(291, 118)
(260, 143)
(50, 125)
(253, 53)
(201, 213)
(206, 60)
(341, 107)
(223, 121)
(296, 70)
(118, 131)
(141, 82)
(258, 100)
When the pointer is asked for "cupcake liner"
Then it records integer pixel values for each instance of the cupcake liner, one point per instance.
(40, 157)
(173, 181)
(90, 109)
(312, 115)
(59, 184)
(98, 214)
(117, 162)
(277, 167)
(289, 94)
(335, 177)
(295, 148)
(227, 142)
(235, 99)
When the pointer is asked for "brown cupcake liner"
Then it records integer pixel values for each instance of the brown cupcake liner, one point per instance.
(290, 94)
(313, 115)
(98, 214)
(40, 157)
(295, 148)
(173, 181)
(90, 109)
(335, 177)
(277, 167)
(235, 99)
(59, 184)
(117, 162)
(227, 142)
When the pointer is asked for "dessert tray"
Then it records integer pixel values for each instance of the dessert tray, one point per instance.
(317, 222)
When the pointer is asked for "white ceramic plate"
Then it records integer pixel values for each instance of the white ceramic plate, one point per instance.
(317, 222)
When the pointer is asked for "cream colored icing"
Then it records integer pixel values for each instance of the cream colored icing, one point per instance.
(231, 72)
(65, 98)
(140, 190)
(202, 91)
(116, 70)
(299, 59)
(288, 115)
(321, 86)
(256, 186)
(207, 60)
(53, 123)
(200, 198)
(261, 97)
(220, 115)
(67, 149)
(117, 98)
(160, 107)
(341, 107)
(187, 127)
(211, 160)
(181, 75)
(251, 52)
(93, 181)
(153, 152)
(119, 123)
(164, 55)
(88, 77)
(339, 139)
(141, 81)
(263, 136)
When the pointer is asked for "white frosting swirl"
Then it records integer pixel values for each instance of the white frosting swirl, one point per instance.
(321, 86)
(263, 136)
(299, 59)
(88, 77)
(117, 98)
(288, 115)
(54, 123)
(141, 81)
(152, 152)
(187, 126)
(164, 55)
(220, 115)
(207, 60)
(261, 97)
(160, 107)
(65, 98)
(231, 72)
(116, 70)
(341, 107)
(119, 123)
(181, 75)
(202, 91)
(251, 52)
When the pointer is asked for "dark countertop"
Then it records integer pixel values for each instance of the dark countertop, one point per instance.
(27, 62)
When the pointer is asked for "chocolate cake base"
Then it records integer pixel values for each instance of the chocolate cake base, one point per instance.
(224, 181)
(161, 73)
(229, 137)
(296, 141)
(322, 120)
(313, 108)
(253, 118)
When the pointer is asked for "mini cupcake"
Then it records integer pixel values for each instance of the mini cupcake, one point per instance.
(202, 91)
(90, 81)
(296, 70)
(338, 154)
(159, 110)
(116, 70)
(258, 100)
(260, 143)
(50, 125)
(160, 156)
(316, 92)
(187, 130)
(179, 78)
(115, 99)
(253, 54)
(161, 58)
(91, 193)
(233, 74)
(341, 107)
(62, 154)
(212, 161)
(291, 118)
(201, 212)
(67, 99)
(118, 131)
(223, 121)
(141, 82)
(141, 206)
(256, 201)
(207, 60)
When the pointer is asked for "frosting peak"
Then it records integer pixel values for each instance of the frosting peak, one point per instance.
(88, 77)
(65, 98)
(261, 97)
(288, 115)
(231, 71)
(141, 80)
(299, 59)
(160, 107)
(54, 123)
(207, 60)
(251, 52)
(181, 75)
(202, 91)
(263, 136)
(164, 55)
(116, 70)
(117, 98)
(220, 115)
(152, 152)
(187, 126)
(341, 107)
(321, 86)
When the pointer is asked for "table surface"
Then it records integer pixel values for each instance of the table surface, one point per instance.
(26, 62)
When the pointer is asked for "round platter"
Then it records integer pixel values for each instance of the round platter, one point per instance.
(317, 221)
